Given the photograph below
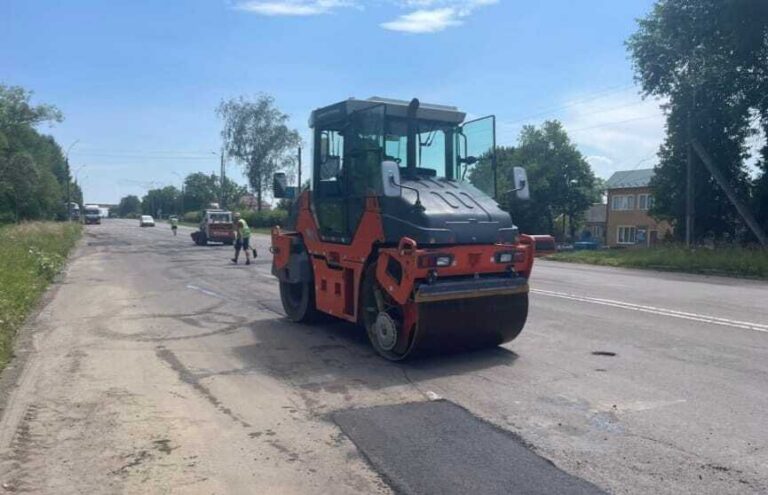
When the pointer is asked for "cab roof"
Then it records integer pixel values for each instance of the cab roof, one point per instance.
(394, 108)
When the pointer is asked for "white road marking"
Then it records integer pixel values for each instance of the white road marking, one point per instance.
(204, 291)
(757, 327)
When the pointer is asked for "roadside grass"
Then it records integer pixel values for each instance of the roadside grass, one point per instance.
(31, 254)
(733, 262)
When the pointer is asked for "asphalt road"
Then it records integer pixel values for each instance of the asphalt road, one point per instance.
(156, 366)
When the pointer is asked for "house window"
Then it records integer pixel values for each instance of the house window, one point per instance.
(623, 202)
(644, 202)
(626, 234)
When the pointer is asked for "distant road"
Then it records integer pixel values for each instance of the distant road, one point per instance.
(157, 365)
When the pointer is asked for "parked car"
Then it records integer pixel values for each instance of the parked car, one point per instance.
(146, 221)
(586, 245)
(545, 244)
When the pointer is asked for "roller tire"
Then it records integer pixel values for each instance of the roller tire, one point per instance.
(299, 302)
(367, 300)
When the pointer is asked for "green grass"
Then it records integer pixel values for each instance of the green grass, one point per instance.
(735, 262)
(31, 255)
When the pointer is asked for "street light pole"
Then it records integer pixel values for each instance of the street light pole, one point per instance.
(222, 176)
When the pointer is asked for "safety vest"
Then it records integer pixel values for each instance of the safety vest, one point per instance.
(245, 231)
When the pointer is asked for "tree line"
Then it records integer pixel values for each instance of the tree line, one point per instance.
(709, 59)
(198, 191)
(35, 180)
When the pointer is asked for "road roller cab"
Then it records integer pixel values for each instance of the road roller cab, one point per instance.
(400, 231)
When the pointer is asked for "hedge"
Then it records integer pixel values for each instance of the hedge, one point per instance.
(266, 218)
(255, 219)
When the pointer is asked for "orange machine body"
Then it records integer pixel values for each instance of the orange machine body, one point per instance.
(338, 268)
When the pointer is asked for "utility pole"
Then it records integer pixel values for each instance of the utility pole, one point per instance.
(299, 188)
(69, 201)
(223, 178)
(689, 190)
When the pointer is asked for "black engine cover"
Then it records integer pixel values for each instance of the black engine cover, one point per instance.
(451, 212)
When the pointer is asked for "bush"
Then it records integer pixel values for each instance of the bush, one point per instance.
(266, 218)
(191, 217)
(7, 217)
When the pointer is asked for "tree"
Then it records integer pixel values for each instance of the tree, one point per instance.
(560, 179)
(160, 202)
(33, 174)
(16, 111)
(200, 190)
(256, 134)
(233, 192)
(709, 58)
(129, 206)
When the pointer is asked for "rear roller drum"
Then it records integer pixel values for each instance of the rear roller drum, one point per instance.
(299, 301)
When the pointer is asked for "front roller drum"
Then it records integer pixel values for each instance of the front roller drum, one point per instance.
(470, 324)
(445, 326)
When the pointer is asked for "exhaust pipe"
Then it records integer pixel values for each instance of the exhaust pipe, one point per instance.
(410, 159)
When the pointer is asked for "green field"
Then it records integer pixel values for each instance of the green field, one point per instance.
(31, 256)
(734, 262)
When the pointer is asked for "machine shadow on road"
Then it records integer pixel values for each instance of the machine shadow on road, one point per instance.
(340, 353)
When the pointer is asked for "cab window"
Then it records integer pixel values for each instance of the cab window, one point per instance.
(331, 163)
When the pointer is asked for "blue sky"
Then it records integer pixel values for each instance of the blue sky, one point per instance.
(138, 81)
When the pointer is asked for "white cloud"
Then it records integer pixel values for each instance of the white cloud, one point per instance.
(599, 160)
(433, 16)
(424, 21)
(423, 16)
(618, 132)
(292, 7)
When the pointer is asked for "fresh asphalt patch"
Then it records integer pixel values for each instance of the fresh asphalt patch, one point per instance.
(438, 447)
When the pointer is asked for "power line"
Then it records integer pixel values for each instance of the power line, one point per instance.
(594, 96)
(649, 157)
(142, 151)
(147, 156)
(608, 124)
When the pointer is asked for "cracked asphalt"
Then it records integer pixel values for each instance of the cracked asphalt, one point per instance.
(155, 366)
